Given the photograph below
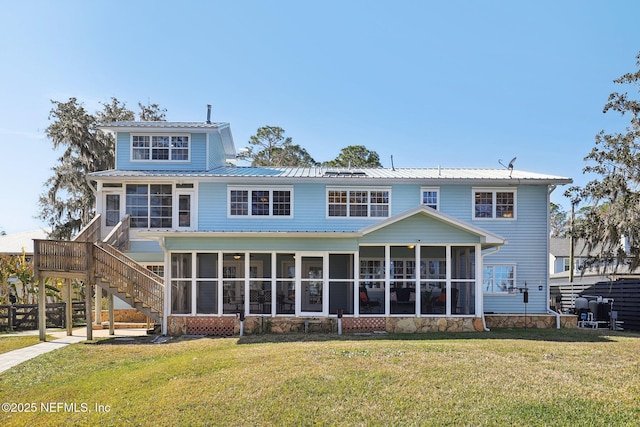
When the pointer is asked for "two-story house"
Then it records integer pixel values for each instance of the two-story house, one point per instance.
(415, 249)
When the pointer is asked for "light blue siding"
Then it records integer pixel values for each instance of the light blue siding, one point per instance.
(242, 244)
(197, 163)
(527, 248)
(145, 251)
(216, 152)
(422, 229)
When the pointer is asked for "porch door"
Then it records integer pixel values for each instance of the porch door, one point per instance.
(313, 284)
(184, 210)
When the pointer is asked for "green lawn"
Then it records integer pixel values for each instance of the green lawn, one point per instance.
(509, 377)
(14, 342)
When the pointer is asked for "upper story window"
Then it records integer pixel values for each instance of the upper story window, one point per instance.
(150, 205)
(160, 148)
(260, 202)
(360, 203)
(494, 203)
(430, 197)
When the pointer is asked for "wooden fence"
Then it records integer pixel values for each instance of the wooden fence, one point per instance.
(626, 299)
(22, 317)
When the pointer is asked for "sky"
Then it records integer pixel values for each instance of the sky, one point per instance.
(446, 83)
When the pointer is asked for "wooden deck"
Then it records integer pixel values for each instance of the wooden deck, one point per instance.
(102, 263)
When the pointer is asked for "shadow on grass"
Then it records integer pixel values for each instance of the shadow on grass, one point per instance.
(549, 335)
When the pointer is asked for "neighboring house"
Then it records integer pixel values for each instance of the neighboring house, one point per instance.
(412, 249)
(565, 287)
(19, 244)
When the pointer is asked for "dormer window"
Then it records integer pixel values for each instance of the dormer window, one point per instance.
(172, 148)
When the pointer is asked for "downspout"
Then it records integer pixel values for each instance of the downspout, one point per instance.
(551, 188)
(484, 321)
(557, 317)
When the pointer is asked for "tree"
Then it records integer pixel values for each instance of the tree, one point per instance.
(274, 149)
(68, 203)
(558, 220)
(151, 113)
(355, 156)
(613, 214)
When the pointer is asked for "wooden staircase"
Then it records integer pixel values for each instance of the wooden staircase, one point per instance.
(104, 264)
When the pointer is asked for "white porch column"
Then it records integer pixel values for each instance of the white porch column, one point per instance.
(479, 280)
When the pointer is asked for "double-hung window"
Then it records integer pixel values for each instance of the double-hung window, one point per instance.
(358, 203)
(494, 204)
(499, 278)
(430, 197)
(160, 148)
(260, 202)
(150, 205)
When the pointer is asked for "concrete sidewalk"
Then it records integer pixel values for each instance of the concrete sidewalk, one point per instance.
(15, 357)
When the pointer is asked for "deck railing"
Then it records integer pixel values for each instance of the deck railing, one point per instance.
(129, 277)
(70, 259)
(91, 232)
(119, 236)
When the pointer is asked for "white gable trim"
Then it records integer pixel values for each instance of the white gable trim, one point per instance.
(486, 237)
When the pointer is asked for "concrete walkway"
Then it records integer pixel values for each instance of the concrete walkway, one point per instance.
(10, 359)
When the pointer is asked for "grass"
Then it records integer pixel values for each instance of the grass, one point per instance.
(9, 343)
(509, 377)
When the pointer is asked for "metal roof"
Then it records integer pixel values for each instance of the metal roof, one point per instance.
(355, 175)
(122, 126)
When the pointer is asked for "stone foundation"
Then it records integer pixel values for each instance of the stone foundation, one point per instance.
(285, 325)
(230, 325)
(540, 321)
(433, 324)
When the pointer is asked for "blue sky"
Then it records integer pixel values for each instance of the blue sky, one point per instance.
(449, 83)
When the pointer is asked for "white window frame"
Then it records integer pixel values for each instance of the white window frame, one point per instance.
(368, 190)
(122, 202)
(493, 291)
(192, 208)
(170, 148)
(431, 190)
(149, 206)
(494, 191)
(249, 190)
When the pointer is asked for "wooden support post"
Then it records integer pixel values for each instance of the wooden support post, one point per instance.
(98, 305)
(42, 298)
(87, 304)
(69, 307)
(42, 311)
(90, 277)
(110, 308)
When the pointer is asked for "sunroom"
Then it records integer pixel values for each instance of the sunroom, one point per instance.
(420, 263)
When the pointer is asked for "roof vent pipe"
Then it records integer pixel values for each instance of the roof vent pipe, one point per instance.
(208, 114)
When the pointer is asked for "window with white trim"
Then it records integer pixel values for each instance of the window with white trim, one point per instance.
(260, 202)
(160, 148)
(358, 203)
(430, 197)
(150, 205)
(498, 278)
(494, 204)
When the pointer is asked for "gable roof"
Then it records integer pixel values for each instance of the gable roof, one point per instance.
(487, 238)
